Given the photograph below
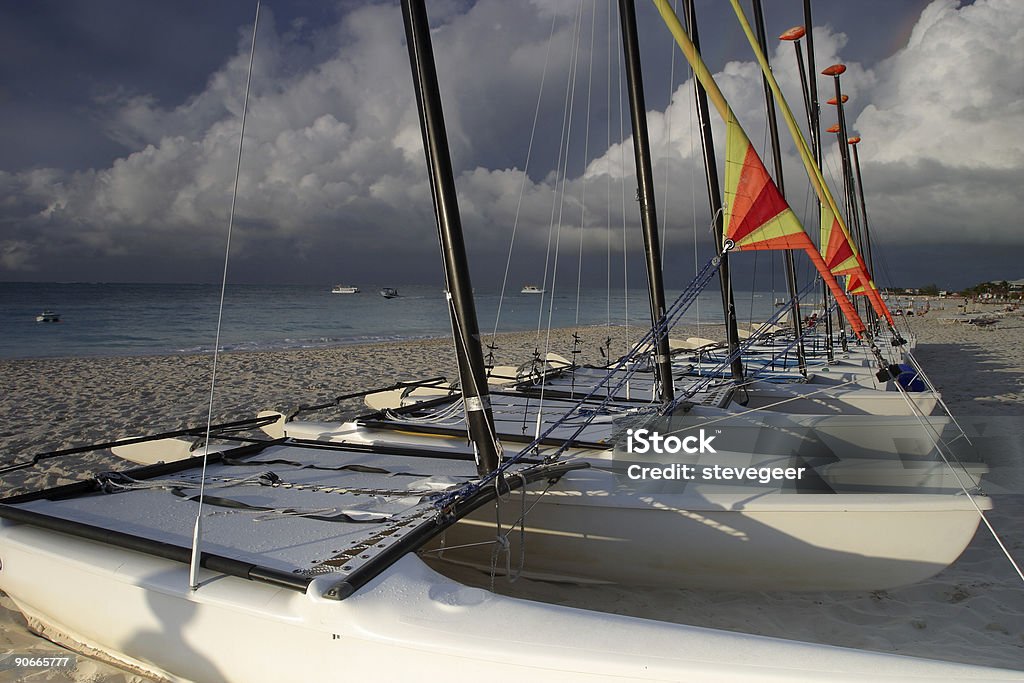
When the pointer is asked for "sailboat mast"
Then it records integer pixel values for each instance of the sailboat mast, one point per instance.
(844, 153)
(645, 192)
(814, 113)
(715, 198)
(459, 289)
(773, 129)
(853, 142)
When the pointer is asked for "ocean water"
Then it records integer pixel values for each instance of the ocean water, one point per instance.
(99, 319)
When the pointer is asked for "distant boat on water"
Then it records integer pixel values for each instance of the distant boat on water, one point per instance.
(48, 317)
(531, 289)
(389, 292)
(344, 289)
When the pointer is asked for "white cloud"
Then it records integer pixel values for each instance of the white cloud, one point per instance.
(942, 149)
(954, 93)
(333, 144)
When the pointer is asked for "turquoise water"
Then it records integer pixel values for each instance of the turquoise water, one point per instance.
(143, 319)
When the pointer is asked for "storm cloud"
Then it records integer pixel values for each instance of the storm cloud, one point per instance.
(333, 182)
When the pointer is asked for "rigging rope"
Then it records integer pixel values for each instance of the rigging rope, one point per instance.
(704, 382)
(583, 175)
(194, 564)
(608, 191)
(560, 196)
(562, 149)
(622, 186)
(666, 147)
(625, 365)
(526, 175)
(919, 414)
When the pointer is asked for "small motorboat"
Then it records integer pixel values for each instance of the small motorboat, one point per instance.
(531, 289)
(48, 317)
(389, 292)
(344, 289)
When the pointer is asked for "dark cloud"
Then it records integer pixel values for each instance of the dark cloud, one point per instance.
(121, 135)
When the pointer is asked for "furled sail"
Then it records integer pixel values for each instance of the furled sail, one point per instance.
(841, 259)
(757, 216)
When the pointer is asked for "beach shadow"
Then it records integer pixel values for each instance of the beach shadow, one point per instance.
(169, 646)
(993, 376)
(860, 618)
(791, 540)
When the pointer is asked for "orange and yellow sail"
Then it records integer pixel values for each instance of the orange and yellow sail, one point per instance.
(837, 248)
(757, 216)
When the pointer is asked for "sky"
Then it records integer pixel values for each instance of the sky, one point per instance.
(119, 130)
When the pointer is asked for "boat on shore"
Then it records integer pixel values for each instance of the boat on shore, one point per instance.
(103, 567)
(878, 473)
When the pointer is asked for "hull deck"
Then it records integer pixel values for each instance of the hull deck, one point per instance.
(275, 513)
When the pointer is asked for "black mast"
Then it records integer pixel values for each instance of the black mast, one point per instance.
(715, 198)
(857, 188)
(645, 193)
(844, 153)
(465, 330)
(814, 112)
(853, 142)
(773, 129)
(851, 202)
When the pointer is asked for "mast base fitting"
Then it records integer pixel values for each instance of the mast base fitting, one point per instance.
(890, 372)
(897, 340)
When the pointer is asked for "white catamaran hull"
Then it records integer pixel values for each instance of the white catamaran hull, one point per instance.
(728, 541)
(408, 624)
(812, 399)
(593, 525)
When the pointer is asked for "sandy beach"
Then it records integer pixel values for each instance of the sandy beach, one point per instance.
(972, 612)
